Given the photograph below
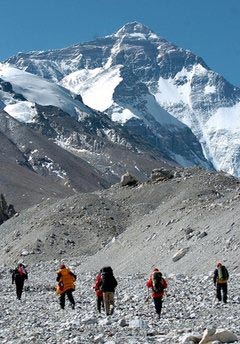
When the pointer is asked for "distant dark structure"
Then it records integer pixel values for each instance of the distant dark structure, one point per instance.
(6, 211)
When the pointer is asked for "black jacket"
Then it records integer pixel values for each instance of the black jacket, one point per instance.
(17, 278)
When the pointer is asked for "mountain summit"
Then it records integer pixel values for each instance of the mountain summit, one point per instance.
(133, 27)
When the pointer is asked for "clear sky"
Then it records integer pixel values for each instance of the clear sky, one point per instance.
(209, 28)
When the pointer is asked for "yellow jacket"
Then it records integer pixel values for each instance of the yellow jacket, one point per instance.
(66, 281)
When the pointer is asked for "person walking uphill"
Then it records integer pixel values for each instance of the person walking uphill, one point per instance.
(220, 280)
(99, 293)
(108, 286)
(19, 276)
(66, 285)
(158, 284)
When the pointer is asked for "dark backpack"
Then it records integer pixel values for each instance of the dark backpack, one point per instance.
(109, 282)
(157, 285)
(222, 273)
(107, 269)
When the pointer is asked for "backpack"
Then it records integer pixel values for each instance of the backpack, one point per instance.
(21, 271)
(107, 269)
(109, 282)
(157, 285)
(222, 273)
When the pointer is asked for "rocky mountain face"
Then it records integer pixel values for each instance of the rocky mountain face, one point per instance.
(34, 168)
(136, 74)
(39, 112)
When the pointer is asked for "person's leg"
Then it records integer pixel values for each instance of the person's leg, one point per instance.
(102, 302)
(62, 300)
(218, 290)
(99, 303)
(106, 302)
(19, 289)
(70, 298)
(158, 305)
(224, 289)
(111, 302)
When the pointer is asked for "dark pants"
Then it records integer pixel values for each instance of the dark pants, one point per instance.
(222, 292)
(100, 304)
(158, 305)
(19, 288)
(70, 298)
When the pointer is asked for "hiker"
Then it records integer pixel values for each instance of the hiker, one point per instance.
(220, 279)
(108, 286)
(99, 293)
(66, 285)
(19, 275)
(158, 284)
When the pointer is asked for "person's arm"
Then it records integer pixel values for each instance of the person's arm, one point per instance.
(13, 277)
(149, 283)
(115, 282)
(227, 273)
(164, 283)
(59, 275)
(215, 276)
(74, 276)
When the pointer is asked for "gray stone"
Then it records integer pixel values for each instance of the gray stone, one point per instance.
(179, 254)
(128, 180)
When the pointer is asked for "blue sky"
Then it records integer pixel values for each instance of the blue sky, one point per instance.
(209, 28)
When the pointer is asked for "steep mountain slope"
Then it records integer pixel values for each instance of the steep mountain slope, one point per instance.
(133, 229)
(118, 73)
(165, 133)
(138, 147)
(32, 167)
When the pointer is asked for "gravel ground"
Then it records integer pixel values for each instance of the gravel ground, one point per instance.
(189, 307)
(182, 225)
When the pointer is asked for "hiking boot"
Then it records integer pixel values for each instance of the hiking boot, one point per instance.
(73, 306)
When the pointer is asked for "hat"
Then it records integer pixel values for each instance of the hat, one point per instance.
(155, 269)
(62, 266)
(219, 264)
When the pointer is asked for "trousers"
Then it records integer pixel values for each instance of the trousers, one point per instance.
(222, 292)
(158, 305)
(108, 298)
(70, 298)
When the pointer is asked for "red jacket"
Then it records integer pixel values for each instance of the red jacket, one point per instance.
(150, 285)
(97, 285)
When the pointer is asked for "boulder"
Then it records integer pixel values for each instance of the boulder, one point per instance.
(221, 335)
(138, 323)
(179, 254)
(159, 174)
(191, 339)
(225, 336)
(128, 179)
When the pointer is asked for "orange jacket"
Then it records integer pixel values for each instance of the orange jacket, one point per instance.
(150, 285)
(97, 285)
(66, 281)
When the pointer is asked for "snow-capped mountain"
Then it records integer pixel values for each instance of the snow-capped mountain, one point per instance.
(135, 74)
(142, 144)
